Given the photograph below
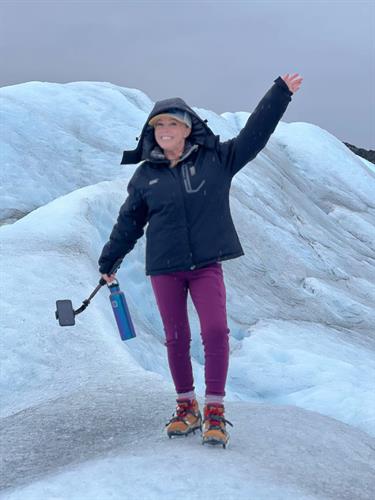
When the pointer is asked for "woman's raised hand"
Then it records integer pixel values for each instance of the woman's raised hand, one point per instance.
(293, 82)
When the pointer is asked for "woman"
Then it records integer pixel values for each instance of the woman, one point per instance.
(181, 189)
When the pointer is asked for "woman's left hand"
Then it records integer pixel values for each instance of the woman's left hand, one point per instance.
(293, 82)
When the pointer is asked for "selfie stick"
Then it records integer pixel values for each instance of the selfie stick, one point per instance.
(65, 313)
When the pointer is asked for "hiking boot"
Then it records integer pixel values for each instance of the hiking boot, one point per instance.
(186, 419)
(214, 431)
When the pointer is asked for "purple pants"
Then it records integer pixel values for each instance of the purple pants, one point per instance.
(207, 291)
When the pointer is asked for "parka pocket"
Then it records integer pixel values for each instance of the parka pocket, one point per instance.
(192, 185)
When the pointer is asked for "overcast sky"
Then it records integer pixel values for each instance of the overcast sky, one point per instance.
(219, 55)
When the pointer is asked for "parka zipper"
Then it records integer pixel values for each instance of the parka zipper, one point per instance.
(183, 200)
(188, 222)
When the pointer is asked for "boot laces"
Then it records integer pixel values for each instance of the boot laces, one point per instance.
(183, 408)
(214, 416)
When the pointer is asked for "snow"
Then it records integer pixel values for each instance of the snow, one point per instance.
(82, 413)
(369, 165)
(60, 137)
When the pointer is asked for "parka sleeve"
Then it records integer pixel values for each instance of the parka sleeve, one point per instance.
(237, 152)
(128, 229)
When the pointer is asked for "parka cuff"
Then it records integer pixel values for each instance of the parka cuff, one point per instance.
(280, 82)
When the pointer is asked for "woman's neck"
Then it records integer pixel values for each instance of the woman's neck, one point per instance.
(173, 155)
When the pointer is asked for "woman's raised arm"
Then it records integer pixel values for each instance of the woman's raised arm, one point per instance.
(237, 152)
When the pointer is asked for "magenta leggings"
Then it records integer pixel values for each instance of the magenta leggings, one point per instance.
(207, 291)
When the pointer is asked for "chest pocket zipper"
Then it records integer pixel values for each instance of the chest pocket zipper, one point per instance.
(187, 181)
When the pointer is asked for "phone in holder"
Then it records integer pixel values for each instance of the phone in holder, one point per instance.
(65, 313)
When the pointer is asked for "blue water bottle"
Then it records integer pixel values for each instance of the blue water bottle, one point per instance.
(121, 311)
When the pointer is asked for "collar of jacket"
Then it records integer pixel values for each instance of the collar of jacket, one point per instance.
(201, 134)
(157, 154)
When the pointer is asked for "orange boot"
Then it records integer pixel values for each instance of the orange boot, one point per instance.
(214, 431)
(186, 419)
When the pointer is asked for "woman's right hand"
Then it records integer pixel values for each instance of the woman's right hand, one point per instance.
(110, 278)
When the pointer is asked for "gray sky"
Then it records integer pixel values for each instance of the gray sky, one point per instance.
(219, 55)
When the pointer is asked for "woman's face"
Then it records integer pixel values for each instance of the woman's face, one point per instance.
(170, 134)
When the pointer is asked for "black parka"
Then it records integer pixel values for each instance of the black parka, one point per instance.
(187, 206)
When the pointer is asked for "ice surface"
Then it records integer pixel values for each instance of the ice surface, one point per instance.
(106, 442)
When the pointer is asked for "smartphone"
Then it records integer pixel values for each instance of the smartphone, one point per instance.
(65, 312)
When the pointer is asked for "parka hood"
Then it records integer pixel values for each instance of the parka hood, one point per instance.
(200, 134)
